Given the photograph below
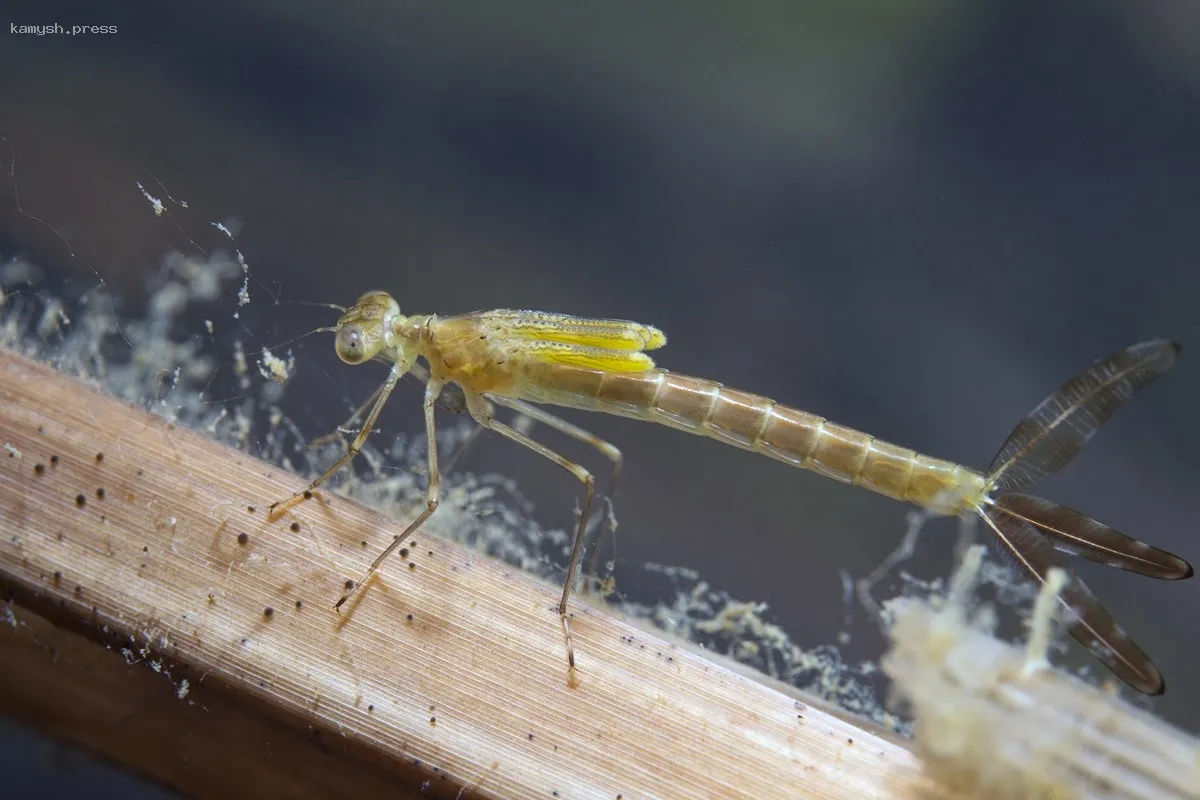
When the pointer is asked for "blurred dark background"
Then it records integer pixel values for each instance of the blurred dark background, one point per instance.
(915, 218)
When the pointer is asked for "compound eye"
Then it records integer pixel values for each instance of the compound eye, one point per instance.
(349, 344)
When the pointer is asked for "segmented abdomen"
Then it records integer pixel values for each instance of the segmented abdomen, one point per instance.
(760, 424)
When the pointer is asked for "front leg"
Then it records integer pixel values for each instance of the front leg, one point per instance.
(432, 389)
(279, 507)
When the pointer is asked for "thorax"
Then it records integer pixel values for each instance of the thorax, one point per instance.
(461, 350)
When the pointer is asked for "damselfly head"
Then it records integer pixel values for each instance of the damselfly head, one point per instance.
(363, 330)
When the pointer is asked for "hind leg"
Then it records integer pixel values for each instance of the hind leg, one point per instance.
(609, 450)
(483, 412)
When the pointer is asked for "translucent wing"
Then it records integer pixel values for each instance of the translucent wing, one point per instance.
(1046, 440)
(1093, 627)
(1073, 533)
(608, 334)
